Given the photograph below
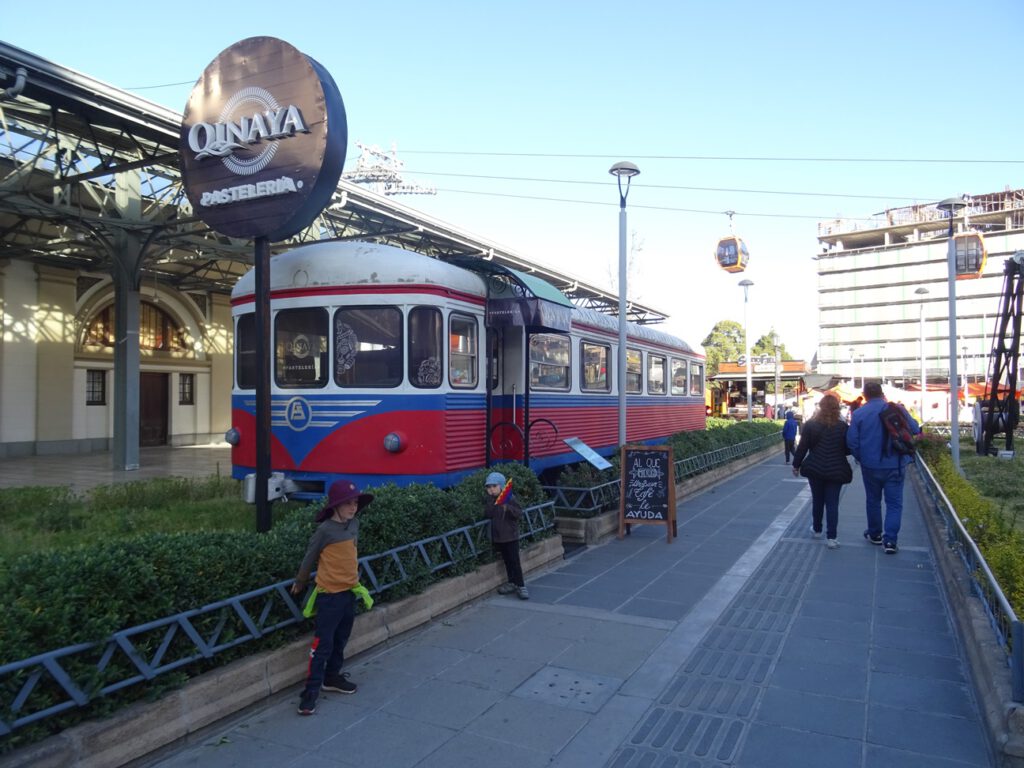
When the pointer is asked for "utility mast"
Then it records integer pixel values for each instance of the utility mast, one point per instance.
(382, 172)
(999, 412)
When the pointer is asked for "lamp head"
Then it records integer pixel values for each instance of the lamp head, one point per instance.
(921, 291)
(951, 205)
(624, 169)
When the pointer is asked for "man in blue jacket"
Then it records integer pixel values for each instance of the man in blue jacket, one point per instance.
(789, 430)
(882, 469)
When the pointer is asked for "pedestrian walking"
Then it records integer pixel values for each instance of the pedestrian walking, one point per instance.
(332, 550)
(789, 430)
(882, 468)
(503, 510)
(821, 458)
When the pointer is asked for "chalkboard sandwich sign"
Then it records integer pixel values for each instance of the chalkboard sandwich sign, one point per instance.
(648, 488)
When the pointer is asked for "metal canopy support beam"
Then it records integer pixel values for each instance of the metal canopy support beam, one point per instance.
(127, 258)
(126, 356)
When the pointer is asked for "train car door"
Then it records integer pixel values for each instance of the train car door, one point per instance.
(505, 416)
(153, 408)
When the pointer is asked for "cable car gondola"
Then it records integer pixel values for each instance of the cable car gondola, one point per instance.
(732, 254)
(970, 255)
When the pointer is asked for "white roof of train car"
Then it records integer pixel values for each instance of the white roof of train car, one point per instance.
(334, 264)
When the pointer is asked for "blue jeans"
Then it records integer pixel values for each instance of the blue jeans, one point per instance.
(825, 499)
(887, 483)
(335, 614)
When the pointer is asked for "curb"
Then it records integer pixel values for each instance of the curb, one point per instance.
(181, 717)
(990, 675)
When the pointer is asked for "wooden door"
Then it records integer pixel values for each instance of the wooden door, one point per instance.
(153, 408)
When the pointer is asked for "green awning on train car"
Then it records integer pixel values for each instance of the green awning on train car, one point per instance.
(519, 299)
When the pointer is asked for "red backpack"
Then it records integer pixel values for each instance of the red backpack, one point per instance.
(898, 437)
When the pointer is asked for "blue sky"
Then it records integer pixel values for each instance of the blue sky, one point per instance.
(516, 110)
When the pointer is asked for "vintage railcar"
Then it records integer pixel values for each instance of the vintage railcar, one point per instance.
(392, 366)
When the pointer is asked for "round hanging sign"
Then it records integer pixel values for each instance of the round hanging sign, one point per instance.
(263, 140)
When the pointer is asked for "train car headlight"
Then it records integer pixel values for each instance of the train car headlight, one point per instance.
(232, 437)
(394, 442)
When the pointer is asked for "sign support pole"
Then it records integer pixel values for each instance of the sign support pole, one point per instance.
(261, 259)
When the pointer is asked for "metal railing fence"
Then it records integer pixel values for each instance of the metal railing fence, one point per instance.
(1007, 627)
(53, 682)
(591, 501)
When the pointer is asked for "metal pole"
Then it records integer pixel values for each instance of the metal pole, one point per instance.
(924, 376)
(954, 395)
(746, 348)
(263, 347)
(622, 170)
(778, 383)
(622, 320)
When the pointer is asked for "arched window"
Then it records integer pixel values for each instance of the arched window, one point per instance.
(157, 329)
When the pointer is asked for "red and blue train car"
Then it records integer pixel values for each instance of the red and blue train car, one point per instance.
(392, 366)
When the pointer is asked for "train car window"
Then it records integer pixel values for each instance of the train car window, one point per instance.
(595, 366)
(245, 352)
(425, 330)
(300, 348)
(696, 379)
(655, 375)
(634, 371)
(493, 345)
(368, 347)
(549, 361)
(463, 353)
(679, 384)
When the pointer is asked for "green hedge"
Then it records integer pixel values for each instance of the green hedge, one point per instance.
(720, 433)
(54, 599)
(1001, 543)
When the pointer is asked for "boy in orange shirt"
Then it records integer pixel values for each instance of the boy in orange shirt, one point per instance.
(332, 549)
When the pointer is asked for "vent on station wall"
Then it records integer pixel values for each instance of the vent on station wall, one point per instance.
(202, 301)
(83, 284)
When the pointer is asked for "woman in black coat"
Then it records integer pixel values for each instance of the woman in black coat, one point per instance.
(821, 458)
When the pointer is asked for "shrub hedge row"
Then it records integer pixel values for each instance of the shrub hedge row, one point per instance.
(720, 433)
(59, 598)
(1001, 543)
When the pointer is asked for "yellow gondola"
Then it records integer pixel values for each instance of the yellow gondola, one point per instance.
(732, 254)
(970, 255)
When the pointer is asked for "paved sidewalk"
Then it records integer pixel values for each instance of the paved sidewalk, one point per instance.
(87, 470)
(744, 643)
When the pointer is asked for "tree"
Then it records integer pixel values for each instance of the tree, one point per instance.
(724, 343)
(766, 346)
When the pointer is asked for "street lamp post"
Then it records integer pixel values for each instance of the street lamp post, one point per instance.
(952, 205)
(965, 374)
(853, 369)
(622, 170)
(881, 367)
(745, 284)
(778, 357)
(922, 292)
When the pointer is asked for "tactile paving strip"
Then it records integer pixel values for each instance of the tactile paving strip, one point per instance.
(700, 719)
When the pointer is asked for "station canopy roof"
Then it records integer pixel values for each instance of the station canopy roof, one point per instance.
(88, 170)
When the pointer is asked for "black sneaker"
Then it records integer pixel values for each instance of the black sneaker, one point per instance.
(891, 548)
(873, 539)
(340, 684)
(307, 703)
